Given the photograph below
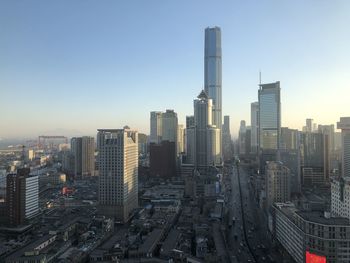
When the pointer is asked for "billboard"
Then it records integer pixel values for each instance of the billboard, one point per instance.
(313, 258)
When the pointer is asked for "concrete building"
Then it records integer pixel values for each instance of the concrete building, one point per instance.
(118, 175)
(189, 121)
(309, 125)
(289, 139)
(22, 196)
(190, 145)
(226, 139)
(155, 127)
(328, 130)
(180, 139)
(83, 149)
(344, 126)
(278, 185)
(169, 126)
(214, 149)
(311, 233)
(340, 197)
(241, 137)
(254, 124)
(314, 158)
(3, 175)
(162, 159)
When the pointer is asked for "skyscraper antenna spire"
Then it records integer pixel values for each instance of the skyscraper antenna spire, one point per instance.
(259, 77)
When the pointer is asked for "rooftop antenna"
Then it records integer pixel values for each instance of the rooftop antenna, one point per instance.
(259, 77)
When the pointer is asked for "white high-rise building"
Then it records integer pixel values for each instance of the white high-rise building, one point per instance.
(156, 127)
(254, 124)
(344, 125)
(31, 196)
(118, 175)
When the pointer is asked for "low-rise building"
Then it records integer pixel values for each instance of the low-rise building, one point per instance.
(305, 232)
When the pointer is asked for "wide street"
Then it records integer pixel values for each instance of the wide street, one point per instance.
(247, 239)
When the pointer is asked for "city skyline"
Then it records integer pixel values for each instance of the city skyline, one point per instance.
(78, 61)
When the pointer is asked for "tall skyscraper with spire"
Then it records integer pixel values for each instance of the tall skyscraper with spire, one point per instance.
(212, 72)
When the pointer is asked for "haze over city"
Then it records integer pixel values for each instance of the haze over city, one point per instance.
(74, 66)
(174, 131)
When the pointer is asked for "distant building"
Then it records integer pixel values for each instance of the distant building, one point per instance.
(118, 174)
(226, 139)
(155, 127)
(83, 149)
(241, 137)
(311, 234)
(190, 145)
(248, 138)
(254, 124)
(3, 175)
(344, 125)
(162, 159)
(169, 126)
(206, 136)
(180, 139)
(142, 144)
(189, 122)
(314, 159)
(278, 185)
(289, 139)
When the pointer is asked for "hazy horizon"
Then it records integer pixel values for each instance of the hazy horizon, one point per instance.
(79, 66)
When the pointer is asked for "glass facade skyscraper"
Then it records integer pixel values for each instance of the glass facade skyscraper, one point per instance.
(212, 71)
(269, 116)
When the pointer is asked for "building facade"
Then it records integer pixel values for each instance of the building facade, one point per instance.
(254, 124)
(226, 139)
(162, 159)
(340, 197)
(22, 196)
(206, 136)
(118, 174)
(155, 127)
(83, 149)
(269, 116)
(213, 72)
(305, 233)
(169, 126)
(344, 126)
(278, 185)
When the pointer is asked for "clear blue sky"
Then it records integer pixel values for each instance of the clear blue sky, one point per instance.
(83, 65)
